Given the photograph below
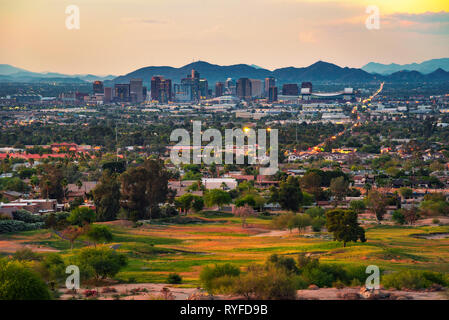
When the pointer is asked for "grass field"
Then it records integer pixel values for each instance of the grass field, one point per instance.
(156, 250)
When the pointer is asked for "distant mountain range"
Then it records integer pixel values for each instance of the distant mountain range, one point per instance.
(10, 73)
(424, 67)
(320, 72)
(317, 72)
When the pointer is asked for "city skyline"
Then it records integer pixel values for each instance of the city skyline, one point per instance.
(117, 38)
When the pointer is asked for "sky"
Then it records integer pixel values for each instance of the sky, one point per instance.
(120, 36)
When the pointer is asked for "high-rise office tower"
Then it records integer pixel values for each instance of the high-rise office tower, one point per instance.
(161, 89)
(107, 95)
(98, 87)
(230, 87)
(256, 88)
(244, 89)
(272, 94)
(136, 89)
(219, 89)
(122, 92)
(269, 82)
(290, 89)
(193, 81)
(204, 89)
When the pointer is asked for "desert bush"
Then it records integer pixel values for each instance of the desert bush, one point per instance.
(284, 263)
(174, 278)
(52, 268)
(414, 279)
(318, 223)
(265, 284)
(99, 263)
(26, 254)
(209, 275)
(19, 282)
(398, 217)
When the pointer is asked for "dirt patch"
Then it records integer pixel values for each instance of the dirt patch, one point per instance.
(12, 246)
(431, 236)
(340, 294)
(143, 291)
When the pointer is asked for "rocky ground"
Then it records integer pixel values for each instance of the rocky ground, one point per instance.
(150, 291)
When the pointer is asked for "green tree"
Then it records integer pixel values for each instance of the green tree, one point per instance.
(302, 221)
(217, 197)
(81, 216)
(358, 206)
(99, 233)
(106, 196)
(377, 203)
(103, 262)
(185, 202)
(290, 195)
(144, 188)
(311, 182)
(405, 192)
(339, 188)
(344, 226)
(18, 282)
(198, 203)
(51, 182)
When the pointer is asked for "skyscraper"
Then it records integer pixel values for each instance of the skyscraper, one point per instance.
(272, 94)
(122, 92)
(256, 88)
(269, 82)
(98, 87)
(107, 95)
(193, 80)
(244, 89)
(219, 89)
(230, 87)
(204, 89)
(161, 89)
(136, 89)
(290, 89)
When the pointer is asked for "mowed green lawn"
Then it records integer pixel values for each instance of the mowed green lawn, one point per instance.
(156, 250)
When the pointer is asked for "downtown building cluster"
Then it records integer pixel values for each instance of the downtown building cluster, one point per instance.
(193, 89)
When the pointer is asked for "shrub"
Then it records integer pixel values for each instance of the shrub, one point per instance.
(209, 274)
(18, 282)
(262, 284)
(52, 268)
(26, 216)
(414, 279)
(101, 262)
(9, 226)
(299, 283)
(318, 223)
(26, 254)
(318, 277)
(174, 278)
(398, 217)
(285, 264)
(99, 233)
